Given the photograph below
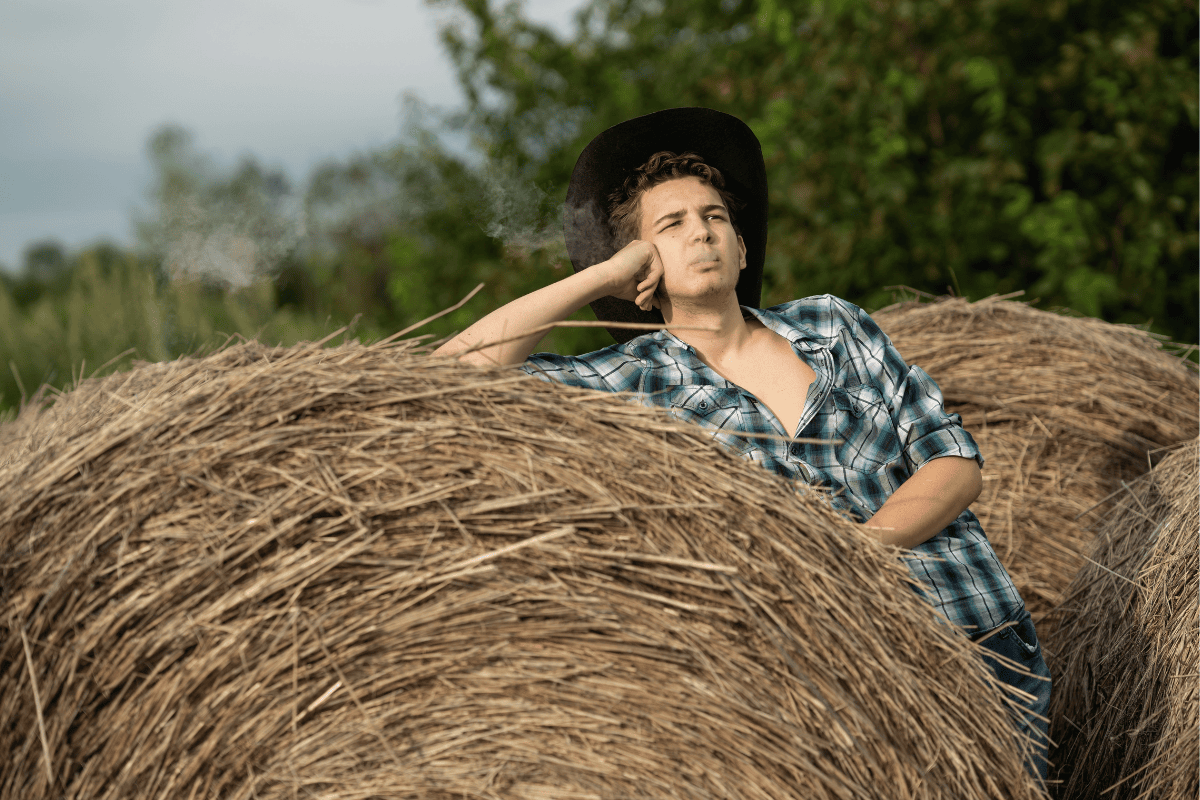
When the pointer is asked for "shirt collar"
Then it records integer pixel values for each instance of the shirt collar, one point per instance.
(668, 341)
(795, 332)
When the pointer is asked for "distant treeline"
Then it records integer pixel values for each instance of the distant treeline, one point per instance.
(978, 147)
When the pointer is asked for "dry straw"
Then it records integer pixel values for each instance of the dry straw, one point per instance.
(360, 572)
(1064, 409)
(1126, 709)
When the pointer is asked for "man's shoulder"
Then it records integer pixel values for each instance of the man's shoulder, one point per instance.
(823, 314)
(638, 349)
(616, 368)
(602, 360)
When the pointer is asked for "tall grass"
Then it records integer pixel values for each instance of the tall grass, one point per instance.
(117, 312)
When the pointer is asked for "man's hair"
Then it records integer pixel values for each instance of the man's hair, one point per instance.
(625, 207)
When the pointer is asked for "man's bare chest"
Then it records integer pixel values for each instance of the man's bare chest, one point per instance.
(771, 371)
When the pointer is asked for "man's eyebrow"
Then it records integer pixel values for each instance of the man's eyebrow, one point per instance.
(672, 215)
(680, 213)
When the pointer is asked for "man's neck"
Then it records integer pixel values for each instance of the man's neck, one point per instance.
(727, 330)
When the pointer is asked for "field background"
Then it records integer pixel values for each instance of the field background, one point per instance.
(976, 147)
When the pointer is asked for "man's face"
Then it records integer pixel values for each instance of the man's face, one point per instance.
(702, 256)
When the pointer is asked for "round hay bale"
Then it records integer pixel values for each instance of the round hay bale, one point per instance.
(362, 572)
(1126, 710)
(50, 416)
(1064, 410)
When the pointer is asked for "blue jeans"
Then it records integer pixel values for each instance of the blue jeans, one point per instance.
(1019, 644)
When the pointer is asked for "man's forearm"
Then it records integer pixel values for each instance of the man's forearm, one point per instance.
(631, 274)
(928, 501)
(549, 304)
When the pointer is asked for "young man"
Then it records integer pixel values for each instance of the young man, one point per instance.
(832, 399)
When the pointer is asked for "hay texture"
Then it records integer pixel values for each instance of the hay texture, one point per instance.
(1126, 708)
(361, 572)
(1064, 410)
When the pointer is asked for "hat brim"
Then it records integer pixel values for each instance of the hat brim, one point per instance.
(722, 140)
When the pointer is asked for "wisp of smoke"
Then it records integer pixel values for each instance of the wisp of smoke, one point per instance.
(227, 240)
(517, 214)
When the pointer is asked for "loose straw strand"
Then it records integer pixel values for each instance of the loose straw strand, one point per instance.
(37, 702)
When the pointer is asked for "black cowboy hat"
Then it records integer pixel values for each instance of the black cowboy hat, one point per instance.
(722, 140)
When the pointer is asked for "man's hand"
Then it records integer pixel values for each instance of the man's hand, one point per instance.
(634, 273)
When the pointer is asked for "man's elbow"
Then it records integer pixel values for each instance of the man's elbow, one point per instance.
(957, 479)
(467, 353)
(974, 480)
(459, 344)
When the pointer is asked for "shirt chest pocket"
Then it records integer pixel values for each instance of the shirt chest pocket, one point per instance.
(860, 418)
(716, 409)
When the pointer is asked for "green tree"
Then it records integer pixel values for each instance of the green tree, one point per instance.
(45, 268)
(988, 145)
(209, 247)
(227, 227)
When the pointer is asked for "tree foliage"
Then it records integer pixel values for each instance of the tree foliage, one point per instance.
(988, 146)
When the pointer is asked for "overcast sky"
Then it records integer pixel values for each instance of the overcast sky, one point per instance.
(84, 83)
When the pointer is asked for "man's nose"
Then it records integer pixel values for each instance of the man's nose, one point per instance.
(701, 230)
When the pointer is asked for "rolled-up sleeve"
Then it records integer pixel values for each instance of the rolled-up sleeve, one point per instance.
(915, 402)
(926, 428)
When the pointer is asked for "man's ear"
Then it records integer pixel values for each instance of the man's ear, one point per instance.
(741, 253)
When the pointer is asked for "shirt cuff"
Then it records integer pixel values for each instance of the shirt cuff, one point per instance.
(952, 440)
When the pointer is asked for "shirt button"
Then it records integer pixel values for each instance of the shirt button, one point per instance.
(795, 450)
(703, 405)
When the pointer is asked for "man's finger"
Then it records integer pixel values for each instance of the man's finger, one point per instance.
(656, 264)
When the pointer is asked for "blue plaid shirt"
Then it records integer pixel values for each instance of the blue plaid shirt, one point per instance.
(878, 418)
